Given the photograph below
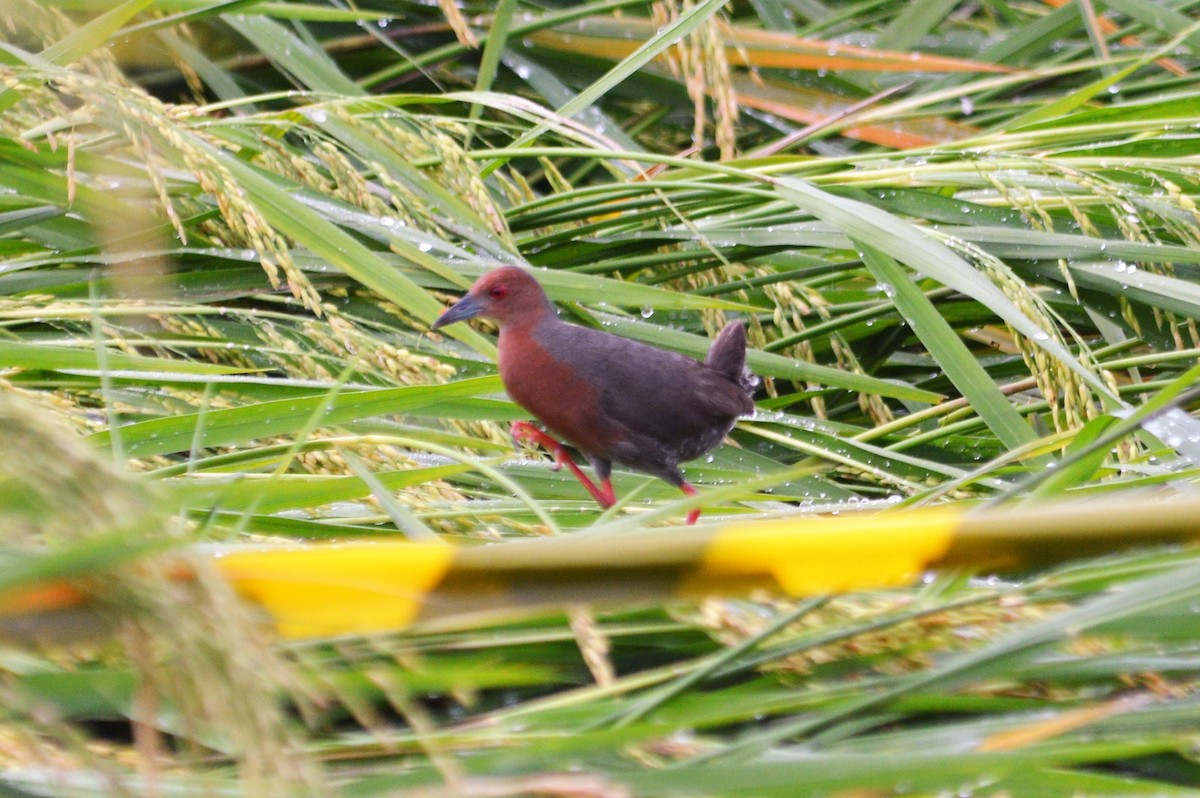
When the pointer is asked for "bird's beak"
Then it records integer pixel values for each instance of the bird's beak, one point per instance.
(466, 308)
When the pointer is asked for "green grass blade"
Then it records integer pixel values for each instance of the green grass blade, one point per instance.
(949, 351)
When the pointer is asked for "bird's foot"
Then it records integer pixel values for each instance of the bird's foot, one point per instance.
(524, 432)
(608, 496)
(694, 514)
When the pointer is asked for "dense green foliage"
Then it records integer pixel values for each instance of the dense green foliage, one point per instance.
(964, 255)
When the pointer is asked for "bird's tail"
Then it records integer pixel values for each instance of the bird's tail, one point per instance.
(727, 356)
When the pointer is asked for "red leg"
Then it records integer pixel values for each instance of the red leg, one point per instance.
(610, 495)
(524, 431)
(694, 514)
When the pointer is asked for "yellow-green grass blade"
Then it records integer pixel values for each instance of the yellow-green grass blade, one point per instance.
(917, 250)
(948, 350)
(688, 21)
(284, 416)
(81, 41)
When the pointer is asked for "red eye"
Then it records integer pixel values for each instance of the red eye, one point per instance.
(497, 292)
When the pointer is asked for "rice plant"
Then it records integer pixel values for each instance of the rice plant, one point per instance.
(965, 243)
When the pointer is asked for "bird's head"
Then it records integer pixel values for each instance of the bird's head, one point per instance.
(508, 295)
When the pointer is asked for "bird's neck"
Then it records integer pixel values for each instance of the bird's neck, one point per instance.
(527, 324)
(521, 340)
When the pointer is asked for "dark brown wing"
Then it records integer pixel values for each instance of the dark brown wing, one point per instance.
(649, 392)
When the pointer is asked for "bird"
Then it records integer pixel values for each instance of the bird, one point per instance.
(613, 399)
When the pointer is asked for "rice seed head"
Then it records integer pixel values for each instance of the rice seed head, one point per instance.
(458, 23)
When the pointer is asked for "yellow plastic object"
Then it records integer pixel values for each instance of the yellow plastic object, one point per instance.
(813, 557)
(354, 588)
